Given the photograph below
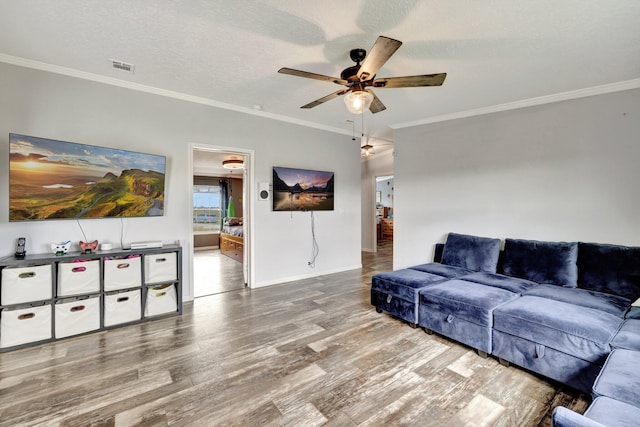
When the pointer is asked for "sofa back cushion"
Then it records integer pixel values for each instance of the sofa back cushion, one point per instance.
(472, 252)
(554, 263)
(437, 253)
(611, 269)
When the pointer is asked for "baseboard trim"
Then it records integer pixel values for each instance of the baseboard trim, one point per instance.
(205, 248)
(284, 280)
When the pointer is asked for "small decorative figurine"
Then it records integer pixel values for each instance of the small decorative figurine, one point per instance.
(88, 247)
(61, 248)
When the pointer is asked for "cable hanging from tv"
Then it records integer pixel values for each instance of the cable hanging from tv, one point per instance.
(315, 250)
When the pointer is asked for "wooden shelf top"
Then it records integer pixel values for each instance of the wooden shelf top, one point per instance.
(50, 257)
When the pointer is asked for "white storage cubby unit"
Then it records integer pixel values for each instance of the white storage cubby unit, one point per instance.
(47, 297)
(78, 277)
(122, 307)
(76, 316)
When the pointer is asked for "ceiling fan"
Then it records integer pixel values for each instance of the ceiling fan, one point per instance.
(362, 75)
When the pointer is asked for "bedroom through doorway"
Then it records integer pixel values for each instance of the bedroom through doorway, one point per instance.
(219, 221)
(384, 211)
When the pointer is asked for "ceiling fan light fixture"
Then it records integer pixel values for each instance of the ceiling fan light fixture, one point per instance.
(358, 101)
(233, 164)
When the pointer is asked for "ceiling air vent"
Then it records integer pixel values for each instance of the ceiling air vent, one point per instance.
(123, 66)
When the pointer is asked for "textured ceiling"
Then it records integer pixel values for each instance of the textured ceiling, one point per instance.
(209, 163)
(228, 51)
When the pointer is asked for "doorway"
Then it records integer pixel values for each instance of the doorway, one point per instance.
(220, 220)
(384, 211)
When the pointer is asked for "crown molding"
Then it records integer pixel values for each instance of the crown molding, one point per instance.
(563, 96)
(37, 65)
(548, 99)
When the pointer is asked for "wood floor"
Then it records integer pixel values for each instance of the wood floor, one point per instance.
(309, 353)
(214, 273)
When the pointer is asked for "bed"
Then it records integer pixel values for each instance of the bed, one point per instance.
(232, 238)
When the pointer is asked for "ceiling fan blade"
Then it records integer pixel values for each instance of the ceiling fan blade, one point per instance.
(325, 99)
(380, 53)
(314, 76)
(376, 105)
(410, 81)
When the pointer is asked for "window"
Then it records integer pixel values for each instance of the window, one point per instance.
(206, 209)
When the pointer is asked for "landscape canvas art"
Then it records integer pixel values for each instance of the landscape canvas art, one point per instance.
(51, 179)
(302, 190)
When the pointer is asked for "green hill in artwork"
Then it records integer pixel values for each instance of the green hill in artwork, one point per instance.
(134, 193)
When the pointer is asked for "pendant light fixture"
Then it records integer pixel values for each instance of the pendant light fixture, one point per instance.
(233, 164)
(366, 149)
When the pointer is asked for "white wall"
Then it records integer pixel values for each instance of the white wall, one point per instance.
(377, 165)
(53, 106)
(563, 171)
(385, 187)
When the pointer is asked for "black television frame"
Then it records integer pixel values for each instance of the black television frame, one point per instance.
(295, 189)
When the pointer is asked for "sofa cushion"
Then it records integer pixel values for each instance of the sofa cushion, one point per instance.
(512, 284)
(472, 252)
(542, 262)
(611, 269)
(403, 283)
(467, 300)
(579, 331)
(558, 365)
(628, 336)
(449, 271)
(565, 417)
(620, 377)
(396, 292)
(602, 412)
(611, 304)
(611, 412)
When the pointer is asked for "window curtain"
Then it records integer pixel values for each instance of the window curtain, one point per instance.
(224, 196)
(231, 209)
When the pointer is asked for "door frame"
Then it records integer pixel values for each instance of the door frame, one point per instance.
(248, 207)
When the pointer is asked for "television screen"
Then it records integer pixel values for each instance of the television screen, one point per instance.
(51, 179)
(302, 190)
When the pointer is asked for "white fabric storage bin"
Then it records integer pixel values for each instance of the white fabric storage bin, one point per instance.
(25, 325)
(122, 307)
(160, 300)
(161, 267)
(25, 284)
(76, 278)
(77, 316)
(122, 273)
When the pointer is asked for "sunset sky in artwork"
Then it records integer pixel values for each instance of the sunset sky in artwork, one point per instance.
(32, 154)
(306, 178)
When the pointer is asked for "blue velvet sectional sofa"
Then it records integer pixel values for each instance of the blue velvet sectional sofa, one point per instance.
(561, 309)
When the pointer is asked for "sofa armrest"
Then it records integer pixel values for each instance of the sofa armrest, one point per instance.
(564, 417)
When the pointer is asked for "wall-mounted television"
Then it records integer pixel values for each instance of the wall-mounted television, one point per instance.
(51, 179)
(302, 190)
